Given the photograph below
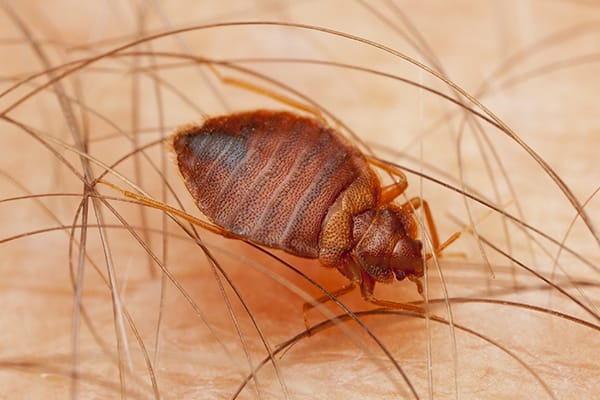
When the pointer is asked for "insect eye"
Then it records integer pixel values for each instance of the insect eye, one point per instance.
(419, 246)
(400, 275)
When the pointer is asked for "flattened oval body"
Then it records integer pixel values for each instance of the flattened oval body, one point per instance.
(269, 176)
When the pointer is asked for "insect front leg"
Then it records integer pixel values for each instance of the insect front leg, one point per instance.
(367, 287)
(351, 271)
(325, 298)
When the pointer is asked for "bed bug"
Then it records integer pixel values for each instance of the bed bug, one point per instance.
(291, 182)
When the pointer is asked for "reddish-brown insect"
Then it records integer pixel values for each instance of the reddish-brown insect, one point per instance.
(289, 182)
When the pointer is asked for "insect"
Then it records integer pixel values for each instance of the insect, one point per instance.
(290, 182)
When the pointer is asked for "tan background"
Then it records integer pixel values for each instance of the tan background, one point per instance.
(546, 93)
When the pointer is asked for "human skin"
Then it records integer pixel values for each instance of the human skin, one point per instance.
(50, 346)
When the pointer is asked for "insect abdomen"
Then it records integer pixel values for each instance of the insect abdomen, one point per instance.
(267, 176)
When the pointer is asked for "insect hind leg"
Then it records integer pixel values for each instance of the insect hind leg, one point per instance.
(146, 201)
(416, 203)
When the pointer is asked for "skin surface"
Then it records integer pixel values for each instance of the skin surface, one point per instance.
(56, 346)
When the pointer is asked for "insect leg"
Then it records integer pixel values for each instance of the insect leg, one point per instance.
(447, 243)
(267, 93)
(392, 191)
(414, 204)
(367, 287)
(171, 210)
(325, 298)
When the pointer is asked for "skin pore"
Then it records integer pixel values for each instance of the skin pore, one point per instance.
(156, 320)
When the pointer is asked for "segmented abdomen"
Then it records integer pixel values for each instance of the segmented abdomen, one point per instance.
(267, 176)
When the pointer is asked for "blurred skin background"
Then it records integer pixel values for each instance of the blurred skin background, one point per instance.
(109, 322)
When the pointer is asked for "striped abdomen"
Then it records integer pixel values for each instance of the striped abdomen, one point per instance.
(271, 177)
